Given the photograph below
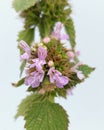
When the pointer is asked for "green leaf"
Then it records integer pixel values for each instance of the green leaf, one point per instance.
(21, 5)
(69, 26)
(19, 83)
(26, 35)
(22, 67)
(46, 116)
(86, 69)
(26, 104)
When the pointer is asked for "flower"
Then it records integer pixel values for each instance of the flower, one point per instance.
(23, 45)
(78, 53)
(35, 78)
(38, 62)
(70, 91)
(42, 53)
(57, 77)
(46, 40)
(80, 75)
(70, 54)
(57, 32)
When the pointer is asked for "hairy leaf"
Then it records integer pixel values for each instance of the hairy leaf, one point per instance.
(46, 116)
(21, 5)
(86, 69)
(26, 35)
(27, 103)
(69, 26)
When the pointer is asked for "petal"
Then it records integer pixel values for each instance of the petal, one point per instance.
(42, 53)
(25, 56)
(24, 46)
(80, 75)
(64, 37)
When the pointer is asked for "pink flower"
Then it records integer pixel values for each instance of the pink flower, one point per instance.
(46, 40)
(70, 54)
(80, 75)
(35, 78)
(57, 77)
(70, 91)
(42, 53)
(38, 63)
(23, 45)
(78, 53)
(50, 63)
(57, 32)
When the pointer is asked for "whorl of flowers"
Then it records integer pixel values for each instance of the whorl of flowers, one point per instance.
(50, 65)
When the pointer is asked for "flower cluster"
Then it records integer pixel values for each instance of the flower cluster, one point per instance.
(49, 62)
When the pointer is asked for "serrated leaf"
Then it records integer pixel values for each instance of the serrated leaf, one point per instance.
(46, 116)
(19, 83)
(21, 5)
(26, 104)
(86, 69)
(26, 35)
(69, 26)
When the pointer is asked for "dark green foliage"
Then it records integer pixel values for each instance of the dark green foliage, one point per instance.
(86, 70)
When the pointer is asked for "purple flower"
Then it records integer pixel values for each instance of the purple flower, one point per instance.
(38, 62)
(23, 45)
(35, 78)
(42, 53)
(70, 54)
(57, 77)
(80, 75)
(70, 91)
(57, 32)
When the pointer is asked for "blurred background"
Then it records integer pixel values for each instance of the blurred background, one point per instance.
(86, 106)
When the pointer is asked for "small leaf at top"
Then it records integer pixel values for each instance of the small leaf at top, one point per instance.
(21, 5)
(46, 115)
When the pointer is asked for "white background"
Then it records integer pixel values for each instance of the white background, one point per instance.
(86, 106)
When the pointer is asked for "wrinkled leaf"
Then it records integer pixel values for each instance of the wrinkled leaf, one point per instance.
(21, 5)
(46, 116)
(26, 104)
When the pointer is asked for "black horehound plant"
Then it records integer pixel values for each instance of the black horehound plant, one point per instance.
(51, 69)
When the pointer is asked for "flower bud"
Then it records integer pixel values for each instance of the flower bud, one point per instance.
(50, 63)
(46, 40)
(70, 54)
